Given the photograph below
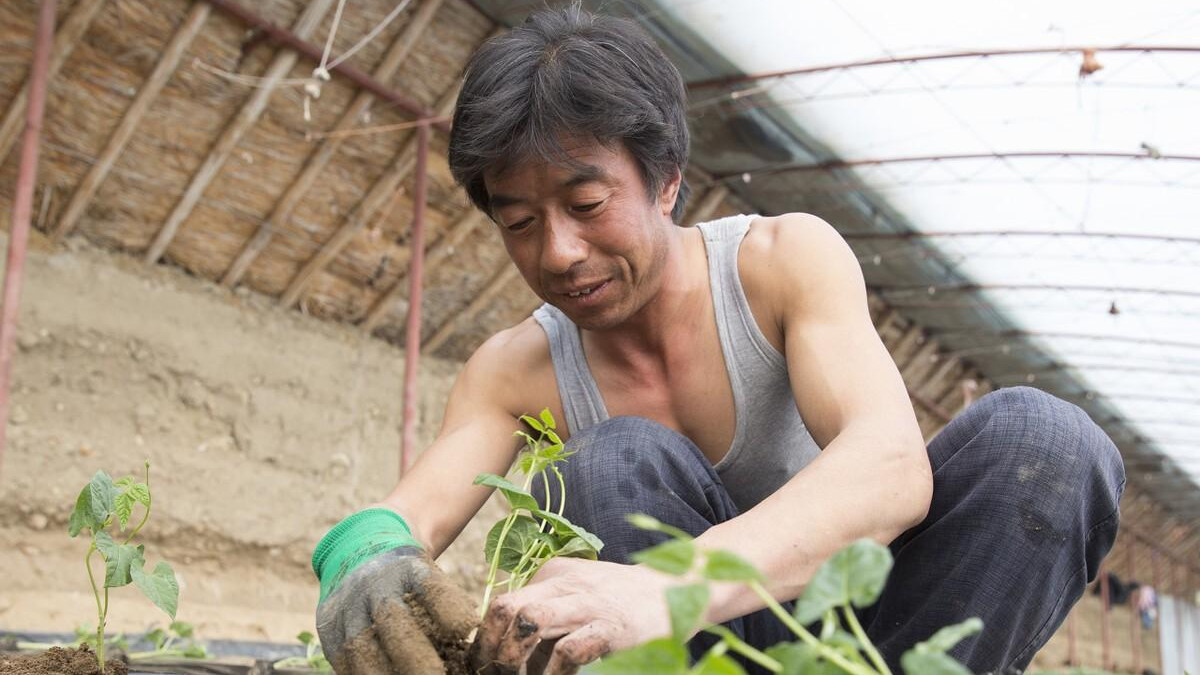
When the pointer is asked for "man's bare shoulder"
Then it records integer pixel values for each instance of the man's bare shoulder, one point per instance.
(788, 261)
(512, 366)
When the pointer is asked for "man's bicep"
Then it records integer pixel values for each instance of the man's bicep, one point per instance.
(840, 371)
(437, 494)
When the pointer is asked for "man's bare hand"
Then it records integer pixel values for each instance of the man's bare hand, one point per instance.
(574, 612)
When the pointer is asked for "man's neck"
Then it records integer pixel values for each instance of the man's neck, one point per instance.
(675, 310)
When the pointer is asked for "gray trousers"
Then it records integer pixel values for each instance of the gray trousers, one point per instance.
(1024, 509)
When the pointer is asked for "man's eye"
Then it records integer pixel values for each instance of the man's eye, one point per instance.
(519, 225)
(588, 207)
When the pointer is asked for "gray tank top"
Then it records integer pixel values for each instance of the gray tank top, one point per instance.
(770, 442)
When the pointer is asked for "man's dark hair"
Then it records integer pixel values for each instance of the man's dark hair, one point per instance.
(567, 72)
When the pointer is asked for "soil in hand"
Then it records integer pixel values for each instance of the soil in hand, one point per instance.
(59, 661)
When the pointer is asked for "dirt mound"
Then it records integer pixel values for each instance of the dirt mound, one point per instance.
(59, 661)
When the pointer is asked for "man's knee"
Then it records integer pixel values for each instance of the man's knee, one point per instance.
(1047, 451)
(631, 449)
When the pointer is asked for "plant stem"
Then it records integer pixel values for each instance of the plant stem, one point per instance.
(100, 609)
(857, 629)
(562, 490)
(145, 516)
(739, 645)
(495, 566)
(801, 632)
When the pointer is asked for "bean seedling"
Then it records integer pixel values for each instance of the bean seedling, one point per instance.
(101, 505)
(313, 659)
(852, 577)
(532, 534)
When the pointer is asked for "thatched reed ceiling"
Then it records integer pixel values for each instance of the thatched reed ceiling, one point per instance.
(201, 119)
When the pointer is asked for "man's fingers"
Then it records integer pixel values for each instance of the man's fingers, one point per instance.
(581, 647)
(404, 642)
(500, 615)
(447, 605)
(361, 656)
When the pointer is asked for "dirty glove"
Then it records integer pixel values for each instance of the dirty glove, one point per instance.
(385, 607)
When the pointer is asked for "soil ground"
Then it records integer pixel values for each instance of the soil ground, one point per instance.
(264, 427)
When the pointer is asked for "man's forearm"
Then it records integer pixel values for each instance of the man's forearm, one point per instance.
(860, 486)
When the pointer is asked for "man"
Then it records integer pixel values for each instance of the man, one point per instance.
(726, 379)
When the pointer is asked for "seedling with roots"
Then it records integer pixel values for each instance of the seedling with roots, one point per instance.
(104, 504)
(532, 534)
(852, 577)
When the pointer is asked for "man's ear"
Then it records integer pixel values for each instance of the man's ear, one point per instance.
(669, 192)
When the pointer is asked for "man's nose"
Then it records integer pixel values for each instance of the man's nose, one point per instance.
(562, 246)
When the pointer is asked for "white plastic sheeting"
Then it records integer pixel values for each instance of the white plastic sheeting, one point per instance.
(1127, 317)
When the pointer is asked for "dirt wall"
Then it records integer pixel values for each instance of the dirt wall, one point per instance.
(263, 428)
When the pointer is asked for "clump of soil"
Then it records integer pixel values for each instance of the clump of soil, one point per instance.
(60, 661)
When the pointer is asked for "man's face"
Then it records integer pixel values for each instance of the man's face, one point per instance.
(588, 238)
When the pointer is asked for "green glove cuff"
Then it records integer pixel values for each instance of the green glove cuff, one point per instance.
(358, 538)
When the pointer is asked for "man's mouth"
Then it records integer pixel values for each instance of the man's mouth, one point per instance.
(586, 290)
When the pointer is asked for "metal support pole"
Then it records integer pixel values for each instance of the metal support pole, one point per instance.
(1158, 591)
(1135, 632)
(412, 336)
(1179, 592)
(1105, 637)
(22, 209)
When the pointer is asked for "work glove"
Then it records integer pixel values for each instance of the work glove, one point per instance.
(385, 607)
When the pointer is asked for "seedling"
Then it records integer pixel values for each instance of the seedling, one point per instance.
(313, 657)
(176, 640)
(101, 505)
(852, 577)
(532, 534)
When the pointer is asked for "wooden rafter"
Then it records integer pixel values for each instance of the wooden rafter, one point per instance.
(437, 252)
(246, 117)
(504, 275)
(381, 191)
(709, 203)
(68, 35)
(166, 66)
(327, 148)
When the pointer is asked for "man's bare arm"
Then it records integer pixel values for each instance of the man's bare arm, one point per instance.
(873, 477)
(437, 496)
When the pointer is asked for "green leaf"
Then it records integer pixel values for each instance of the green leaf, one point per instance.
(118, 559)
(102, 497)
(728, 566)
(547, 419)
(931, 663)
(305, 637)
(574, 547)
(801, 659)
(182, 628)
(854, 575)
(945, 639)
(645, 522)
(81, 517)
(563, 526)
(522, 535)
(673, 556)
(686, 605)
(156, 637)
(159, 586)
(533, 422)
(717, 664)
(517, 497)
(656, 657)
(195, 652)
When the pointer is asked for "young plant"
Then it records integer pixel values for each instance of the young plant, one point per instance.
(532, 534)
(101, 506)
(313, 657)
(176, 640)
(852, 577)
